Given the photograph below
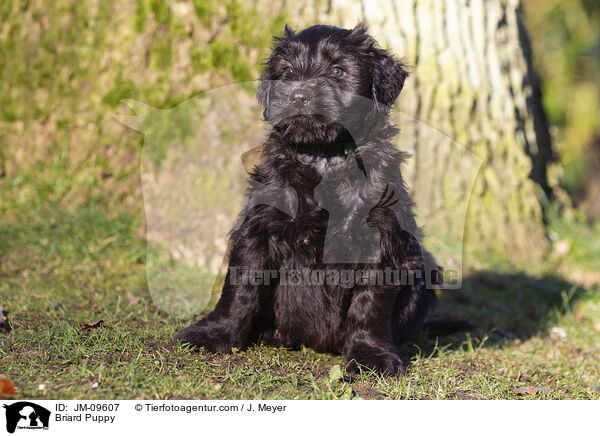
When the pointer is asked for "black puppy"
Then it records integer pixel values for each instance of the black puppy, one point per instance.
(327, 93)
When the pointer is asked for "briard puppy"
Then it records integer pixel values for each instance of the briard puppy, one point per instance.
(326, 252)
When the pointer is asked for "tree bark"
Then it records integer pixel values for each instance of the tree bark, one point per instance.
(470, 114)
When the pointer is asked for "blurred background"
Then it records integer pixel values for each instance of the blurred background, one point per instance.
(566, 42)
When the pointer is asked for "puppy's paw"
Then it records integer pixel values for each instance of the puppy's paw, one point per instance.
(212, 339)
(364, 358)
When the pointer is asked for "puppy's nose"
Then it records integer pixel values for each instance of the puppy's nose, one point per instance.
(300, 97)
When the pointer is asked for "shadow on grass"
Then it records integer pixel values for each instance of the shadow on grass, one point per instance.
(503, 307)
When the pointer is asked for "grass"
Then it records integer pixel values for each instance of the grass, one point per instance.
(63, 266)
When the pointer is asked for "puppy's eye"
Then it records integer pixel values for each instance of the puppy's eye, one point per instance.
(337, 71)
(287, 70)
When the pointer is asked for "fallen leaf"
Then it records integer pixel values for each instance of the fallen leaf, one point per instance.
(92, 326)
(528, 390)
(7, 389)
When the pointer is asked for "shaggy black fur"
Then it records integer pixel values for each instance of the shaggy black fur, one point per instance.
(327, 93)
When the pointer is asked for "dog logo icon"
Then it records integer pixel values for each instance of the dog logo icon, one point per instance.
(26, 415)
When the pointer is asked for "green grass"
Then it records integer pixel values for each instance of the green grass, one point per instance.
(65, 265)
(581, 238)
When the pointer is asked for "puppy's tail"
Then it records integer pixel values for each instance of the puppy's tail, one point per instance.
(441, 327)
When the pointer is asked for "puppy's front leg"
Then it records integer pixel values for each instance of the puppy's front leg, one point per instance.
(233, 321)
(368, 340)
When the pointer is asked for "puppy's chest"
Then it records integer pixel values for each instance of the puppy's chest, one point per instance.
(310, 223)
(320, 203)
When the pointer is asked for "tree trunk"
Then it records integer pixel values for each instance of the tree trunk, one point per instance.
(470, 114)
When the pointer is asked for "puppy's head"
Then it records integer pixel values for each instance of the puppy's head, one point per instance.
(323, 82)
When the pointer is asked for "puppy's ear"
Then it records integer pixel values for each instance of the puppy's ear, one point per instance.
(289, 32)
(389, 75)
(264, 87)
